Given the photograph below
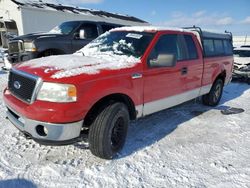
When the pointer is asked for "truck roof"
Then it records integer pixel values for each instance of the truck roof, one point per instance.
(148, 29)
(205, 34)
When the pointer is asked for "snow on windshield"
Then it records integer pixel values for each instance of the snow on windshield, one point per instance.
(122, 43)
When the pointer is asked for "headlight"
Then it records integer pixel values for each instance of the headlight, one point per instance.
(29, 47)
(54, 92)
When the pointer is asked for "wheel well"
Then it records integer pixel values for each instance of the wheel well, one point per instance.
(54, 52)
(102, 103)
(222, 76)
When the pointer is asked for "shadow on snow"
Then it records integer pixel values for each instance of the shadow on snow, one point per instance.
(150, 129)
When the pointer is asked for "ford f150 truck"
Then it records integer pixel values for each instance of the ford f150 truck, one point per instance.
(122, 75)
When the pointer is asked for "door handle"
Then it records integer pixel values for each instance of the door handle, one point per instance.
(184, 70)
(136, 75)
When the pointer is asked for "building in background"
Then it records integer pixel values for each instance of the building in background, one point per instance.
(32, 16)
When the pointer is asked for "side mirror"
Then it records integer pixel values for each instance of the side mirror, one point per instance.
(163, 60)
(82, 34)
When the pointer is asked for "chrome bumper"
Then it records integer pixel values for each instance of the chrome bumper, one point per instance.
(45, 131)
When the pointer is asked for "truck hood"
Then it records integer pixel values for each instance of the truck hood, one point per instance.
(65, 66)
(33, 36)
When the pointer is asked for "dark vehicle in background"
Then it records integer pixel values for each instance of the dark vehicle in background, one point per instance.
(63, 39)
(241, 68)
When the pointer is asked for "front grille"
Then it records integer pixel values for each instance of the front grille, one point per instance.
(15, 46)
(22, 85)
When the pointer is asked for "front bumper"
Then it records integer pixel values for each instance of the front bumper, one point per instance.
(45, 132)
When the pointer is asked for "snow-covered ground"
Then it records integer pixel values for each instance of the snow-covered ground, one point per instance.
(186, 146)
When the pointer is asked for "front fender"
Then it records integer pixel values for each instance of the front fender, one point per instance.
(92, 92)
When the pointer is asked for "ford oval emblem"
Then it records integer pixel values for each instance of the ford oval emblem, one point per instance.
(17, 85)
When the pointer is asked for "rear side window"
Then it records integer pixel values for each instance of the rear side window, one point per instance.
(191, 49)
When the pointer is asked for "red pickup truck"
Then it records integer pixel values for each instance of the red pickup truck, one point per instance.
(122, 75)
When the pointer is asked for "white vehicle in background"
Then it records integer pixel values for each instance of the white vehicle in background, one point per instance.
(241, 68)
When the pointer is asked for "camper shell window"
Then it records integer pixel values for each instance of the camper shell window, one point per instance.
(217, 47)
(216, 44)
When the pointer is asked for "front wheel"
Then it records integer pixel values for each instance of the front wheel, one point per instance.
(108, 132)
(214, 96)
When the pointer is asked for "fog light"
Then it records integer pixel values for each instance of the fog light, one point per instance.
(41, 130)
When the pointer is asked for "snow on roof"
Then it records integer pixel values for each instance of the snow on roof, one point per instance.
(75, 10)
(147, 28)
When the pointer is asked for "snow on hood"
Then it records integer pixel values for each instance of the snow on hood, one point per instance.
(242, 60)
(76, 64)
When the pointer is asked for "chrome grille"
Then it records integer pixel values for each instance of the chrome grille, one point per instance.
(22, 85)
(15, 46)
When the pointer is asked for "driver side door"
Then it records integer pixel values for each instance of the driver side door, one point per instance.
(164, 85)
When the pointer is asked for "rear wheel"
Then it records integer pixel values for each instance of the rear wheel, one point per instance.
(108, 132)
(214, 96)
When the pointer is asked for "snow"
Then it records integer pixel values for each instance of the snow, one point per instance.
(190, 145)
(76, 64)
(147, 28)
(55, 5)
(88, 60)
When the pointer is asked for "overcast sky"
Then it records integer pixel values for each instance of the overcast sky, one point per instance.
(219, 15)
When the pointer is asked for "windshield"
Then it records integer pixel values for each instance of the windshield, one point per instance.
(120, 43)
(65, 28)
(242, 53)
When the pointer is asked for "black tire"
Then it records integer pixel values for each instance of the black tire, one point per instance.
(214, 96)
(108, 132)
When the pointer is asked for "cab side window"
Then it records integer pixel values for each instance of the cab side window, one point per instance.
(90, 30)
(169, 49)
